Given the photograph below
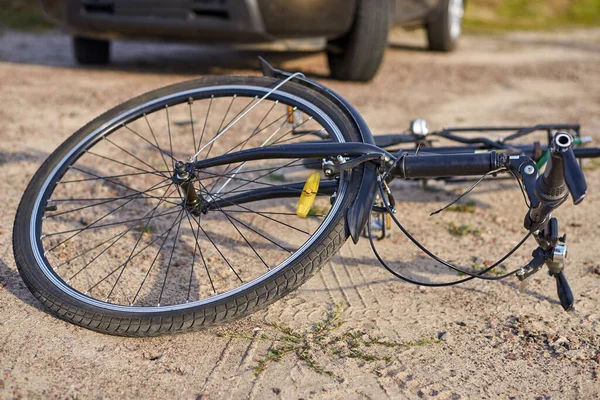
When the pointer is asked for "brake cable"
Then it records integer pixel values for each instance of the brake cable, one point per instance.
(471, 275)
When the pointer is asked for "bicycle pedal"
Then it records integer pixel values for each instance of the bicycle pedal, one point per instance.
(309, 194)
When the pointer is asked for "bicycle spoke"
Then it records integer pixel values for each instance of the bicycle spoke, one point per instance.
(106, 201)
(162, 152)
(218, 250)
(170, 139)
(120, 235)
(249, 171)
(121, 265)
(168, 232)
(162, 289)
(297, 137)
(112, 176)
(244, 142)
(258, 233)
(153, 211)
(242, 235)
(132, 155)
(261, 183)
(272, 213)
(190, 100)
(111, 181)
(242, 165)
(196, 233)
(211, 142)
(267, 217)
(205, 121)
(87, 227)
(110, 224)
(125, 164)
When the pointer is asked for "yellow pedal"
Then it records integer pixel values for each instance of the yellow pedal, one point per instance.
(309, 193)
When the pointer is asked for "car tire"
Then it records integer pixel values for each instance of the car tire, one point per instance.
(91, 51)
(444, 25)
(358, 55)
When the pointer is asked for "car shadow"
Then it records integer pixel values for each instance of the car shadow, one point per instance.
(53, 48)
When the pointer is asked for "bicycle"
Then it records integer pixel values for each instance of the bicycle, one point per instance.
(190, 205)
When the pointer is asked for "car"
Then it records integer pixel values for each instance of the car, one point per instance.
(355, 30)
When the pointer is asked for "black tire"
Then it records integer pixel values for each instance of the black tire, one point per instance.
(75, 307)
(443, 33)
(91, 51)
(358, 55)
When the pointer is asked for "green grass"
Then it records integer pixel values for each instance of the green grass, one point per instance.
(462, 230)
(24, 15)
(591, 165)
(476, 267)
(144, 229)
(503, 15)
(276, 177)
(324, 340)
(463, 207)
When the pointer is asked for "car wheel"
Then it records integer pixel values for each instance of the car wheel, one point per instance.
(358, 55)
(91, 51)
(445, 25)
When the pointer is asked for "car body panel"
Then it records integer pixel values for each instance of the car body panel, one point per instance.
(240, 21)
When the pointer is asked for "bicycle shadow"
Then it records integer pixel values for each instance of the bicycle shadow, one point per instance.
(11, 281)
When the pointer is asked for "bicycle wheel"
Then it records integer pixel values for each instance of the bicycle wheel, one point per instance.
(105, 239)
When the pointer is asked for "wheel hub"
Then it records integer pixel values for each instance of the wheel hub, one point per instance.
(183, 177)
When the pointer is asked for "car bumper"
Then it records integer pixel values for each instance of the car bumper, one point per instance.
(243, 21)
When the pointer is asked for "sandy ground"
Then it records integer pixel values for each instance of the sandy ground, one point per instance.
(494, 343)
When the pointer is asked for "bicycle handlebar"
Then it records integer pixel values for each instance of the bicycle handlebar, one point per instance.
(437, 166)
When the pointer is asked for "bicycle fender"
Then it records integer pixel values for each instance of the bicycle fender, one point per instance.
(338, 100)
(358, 213)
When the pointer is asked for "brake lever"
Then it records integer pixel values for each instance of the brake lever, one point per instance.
(523, 274)
(574, 177)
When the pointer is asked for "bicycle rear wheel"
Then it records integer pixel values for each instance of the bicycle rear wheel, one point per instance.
(103, 236)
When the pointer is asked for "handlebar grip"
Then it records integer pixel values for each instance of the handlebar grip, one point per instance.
(564, 291)
(562, 172)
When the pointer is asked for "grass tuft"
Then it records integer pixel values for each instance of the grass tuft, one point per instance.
(462, 230)
(322, 340)
(463, 207)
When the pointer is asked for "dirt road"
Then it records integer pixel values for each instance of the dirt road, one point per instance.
(478, 340)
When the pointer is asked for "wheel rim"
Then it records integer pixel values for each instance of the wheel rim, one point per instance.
(455, 16)
(63, 266)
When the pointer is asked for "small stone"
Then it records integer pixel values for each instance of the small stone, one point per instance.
(152, 356)
(443, 336)
(276, 390)
(559, 341)
(575, 354)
